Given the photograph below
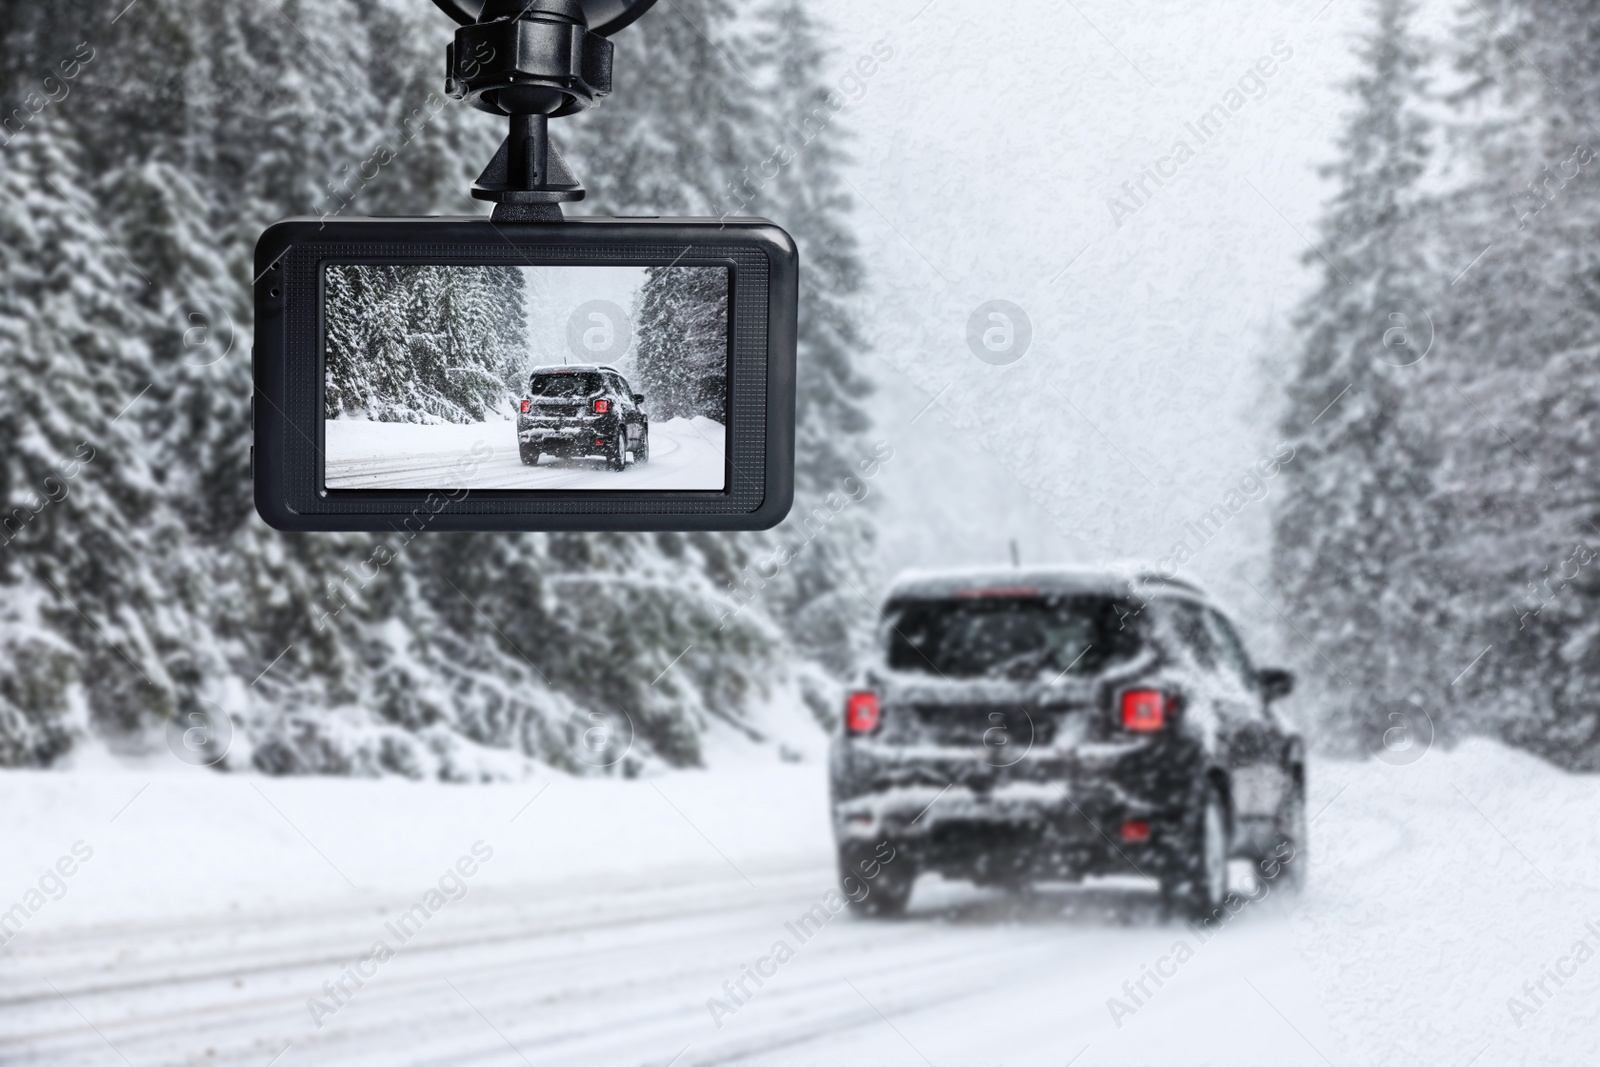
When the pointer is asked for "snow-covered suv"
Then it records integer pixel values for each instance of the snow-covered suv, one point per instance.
(1046, 725)
(582, 411)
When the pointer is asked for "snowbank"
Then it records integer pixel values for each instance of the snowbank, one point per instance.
(200, 843)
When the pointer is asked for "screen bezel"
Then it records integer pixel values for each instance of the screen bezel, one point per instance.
(727, 400)
(290, 380)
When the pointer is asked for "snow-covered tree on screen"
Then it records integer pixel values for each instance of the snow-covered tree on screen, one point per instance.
(417, 344)
(1354, 535)
(681, 363)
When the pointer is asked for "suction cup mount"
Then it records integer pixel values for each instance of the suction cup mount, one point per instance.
(532, 60)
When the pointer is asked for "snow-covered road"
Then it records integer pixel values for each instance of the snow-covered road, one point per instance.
(622, 974)
(611, 913)
(684, 454)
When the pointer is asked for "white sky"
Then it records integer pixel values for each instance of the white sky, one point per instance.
(554, 293)
(986, 152)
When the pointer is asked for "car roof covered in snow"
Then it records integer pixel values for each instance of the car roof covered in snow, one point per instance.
(572, 368)
(1019, 581)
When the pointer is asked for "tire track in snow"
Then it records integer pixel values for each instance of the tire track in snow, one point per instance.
(644, 962)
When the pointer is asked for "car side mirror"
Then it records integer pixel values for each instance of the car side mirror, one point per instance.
(638, 398)
(1275, 683)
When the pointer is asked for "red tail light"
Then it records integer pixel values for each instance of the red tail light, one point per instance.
(1145, 710)
(599, 442)
(602, 406)
(527, 406)
(861, 713)
(1136, 829)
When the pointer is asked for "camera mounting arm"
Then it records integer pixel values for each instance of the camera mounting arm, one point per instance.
(532, 60)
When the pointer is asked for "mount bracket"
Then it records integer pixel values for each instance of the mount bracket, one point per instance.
(532, 60)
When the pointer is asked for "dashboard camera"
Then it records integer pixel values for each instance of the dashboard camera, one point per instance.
(525, 371)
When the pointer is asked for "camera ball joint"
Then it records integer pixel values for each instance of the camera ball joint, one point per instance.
(531, 61)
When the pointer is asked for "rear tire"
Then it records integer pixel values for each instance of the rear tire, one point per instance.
(1198, 884)
(886, 894)
(529, 453)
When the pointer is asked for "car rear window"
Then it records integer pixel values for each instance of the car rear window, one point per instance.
(1011, 636)
(565, 384)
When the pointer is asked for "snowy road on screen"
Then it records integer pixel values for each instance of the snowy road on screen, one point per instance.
(684, 454)
(612, 913)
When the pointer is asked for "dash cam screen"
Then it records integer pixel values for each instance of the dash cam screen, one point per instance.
(538, 378)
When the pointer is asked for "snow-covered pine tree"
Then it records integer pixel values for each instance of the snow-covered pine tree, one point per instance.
(216, 120)
(818, 594)
(681, 321)
(81, 624)
(1514, 403)
(1354, 533)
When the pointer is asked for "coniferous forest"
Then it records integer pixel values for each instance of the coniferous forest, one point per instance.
(1438, 546)
(138, 584)
(683, 342)
(413, 344)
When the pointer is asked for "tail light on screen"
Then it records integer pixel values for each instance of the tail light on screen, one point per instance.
(862, 713)
(1145, 710)
(1136, 830)
(527, 406)
(602, 406)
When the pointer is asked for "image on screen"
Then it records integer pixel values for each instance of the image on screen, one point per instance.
(539, 378)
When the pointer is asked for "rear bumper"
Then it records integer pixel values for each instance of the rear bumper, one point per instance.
(567, 435)
(1051, 815)
(1002, 836)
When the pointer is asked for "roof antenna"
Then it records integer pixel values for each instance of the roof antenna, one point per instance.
(1016, 556)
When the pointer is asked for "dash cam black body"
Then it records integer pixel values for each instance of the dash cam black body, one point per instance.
(468, 374)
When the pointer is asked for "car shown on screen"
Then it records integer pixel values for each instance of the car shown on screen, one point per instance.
(582, 411)
(1021, 726)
